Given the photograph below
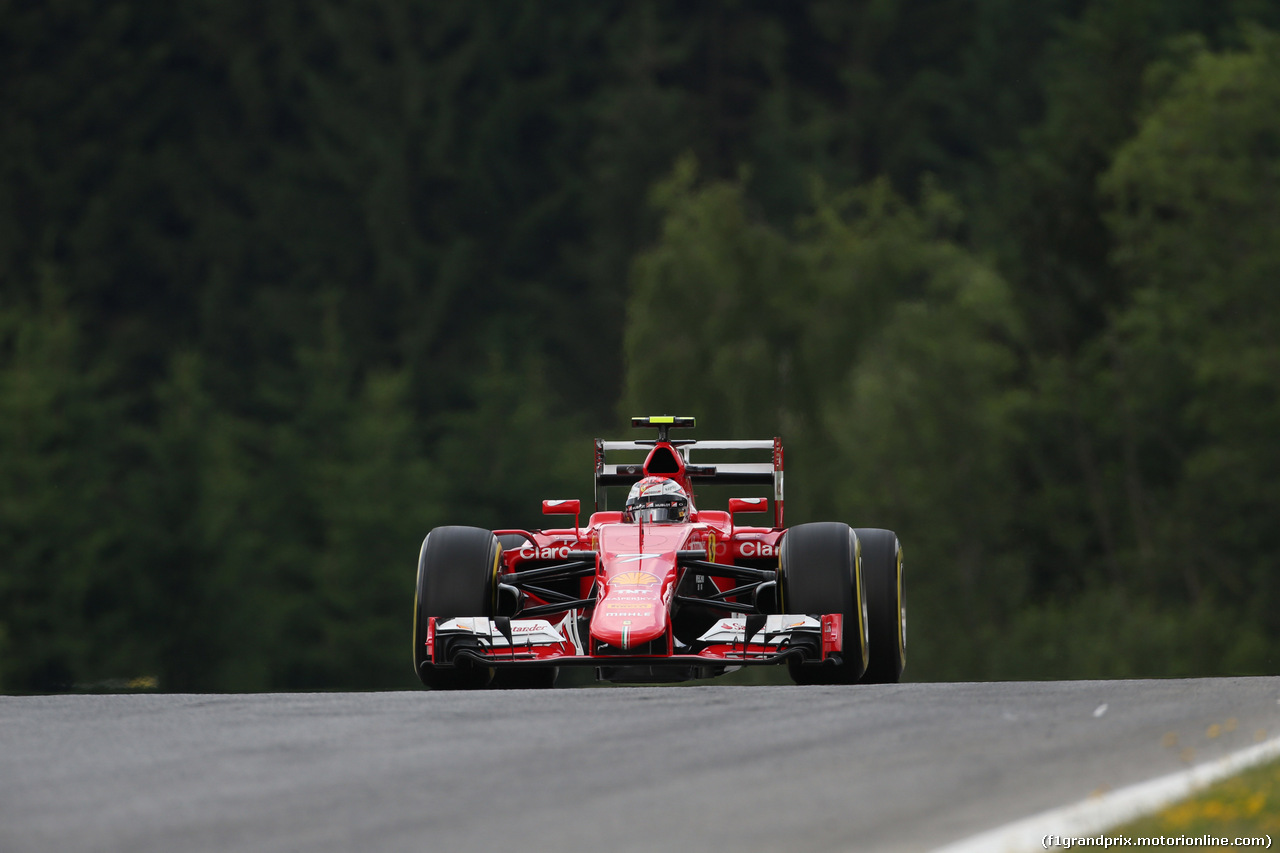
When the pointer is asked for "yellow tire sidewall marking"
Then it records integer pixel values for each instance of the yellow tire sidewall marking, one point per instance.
(902, 616)
(860, 604)
(493, 581)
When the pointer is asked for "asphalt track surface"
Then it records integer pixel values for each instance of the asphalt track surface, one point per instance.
(705, 768)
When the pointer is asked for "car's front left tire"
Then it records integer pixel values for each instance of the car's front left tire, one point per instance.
(886, 605)
(821, 574)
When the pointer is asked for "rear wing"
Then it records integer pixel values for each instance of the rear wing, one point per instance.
(717, 474)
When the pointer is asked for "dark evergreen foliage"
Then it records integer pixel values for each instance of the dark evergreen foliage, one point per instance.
(284, 286)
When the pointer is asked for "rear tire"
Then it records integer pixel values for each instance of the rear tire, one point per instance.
(886, 605)
(457, 571)
(821, 574)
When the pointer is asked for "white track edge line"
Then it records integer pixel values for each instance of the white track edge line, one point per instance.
(1094, 814)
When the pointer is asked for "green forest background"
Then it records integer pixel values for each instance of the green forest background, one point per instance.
(285, 285)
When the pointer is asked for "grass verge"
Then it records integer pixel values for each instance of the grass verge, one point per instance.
(1246, 805)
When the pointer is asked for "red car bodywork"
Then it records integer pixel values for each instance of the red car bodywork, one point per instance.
(659, 601)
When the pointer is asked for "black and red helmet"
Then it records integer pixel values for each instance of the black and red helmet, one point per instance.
(656, 500)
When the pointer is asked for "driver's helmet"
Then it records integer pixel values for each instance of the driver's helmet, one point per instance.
(656, 500)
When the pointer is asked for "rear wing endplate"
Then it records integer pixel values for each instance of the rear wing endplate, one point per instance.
(718, 474)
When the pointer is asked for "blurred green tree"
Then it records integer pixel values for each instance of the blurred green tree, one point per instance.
(281, 287)
(1196, 354)
(884, 353)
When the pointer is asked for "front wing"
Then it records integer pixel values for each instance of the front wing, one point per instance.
(505, 642)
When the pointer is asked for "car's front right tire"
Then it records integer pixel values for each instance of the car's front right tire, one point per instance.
(457, 574)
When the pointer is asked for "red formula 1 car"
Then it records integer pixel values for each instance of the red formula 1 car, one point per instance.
(660, 590)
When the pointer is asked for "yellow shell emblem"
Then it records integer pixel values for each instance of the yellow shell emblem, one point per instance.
(633, 579)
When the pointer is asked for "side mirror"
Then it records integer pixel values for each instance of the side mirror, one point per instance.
(737, 505)
(573, 508)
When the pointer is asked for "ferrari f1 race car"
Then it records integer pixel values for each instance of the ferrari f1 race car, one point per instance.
(661, 591)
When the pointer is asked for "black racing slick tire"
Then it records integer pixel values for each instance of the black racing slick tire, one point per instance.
(457, 574)
(821, 574)
(886, 605)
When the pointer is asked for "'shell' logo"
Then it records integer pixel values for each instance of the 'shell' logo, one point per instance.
(633, 579)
